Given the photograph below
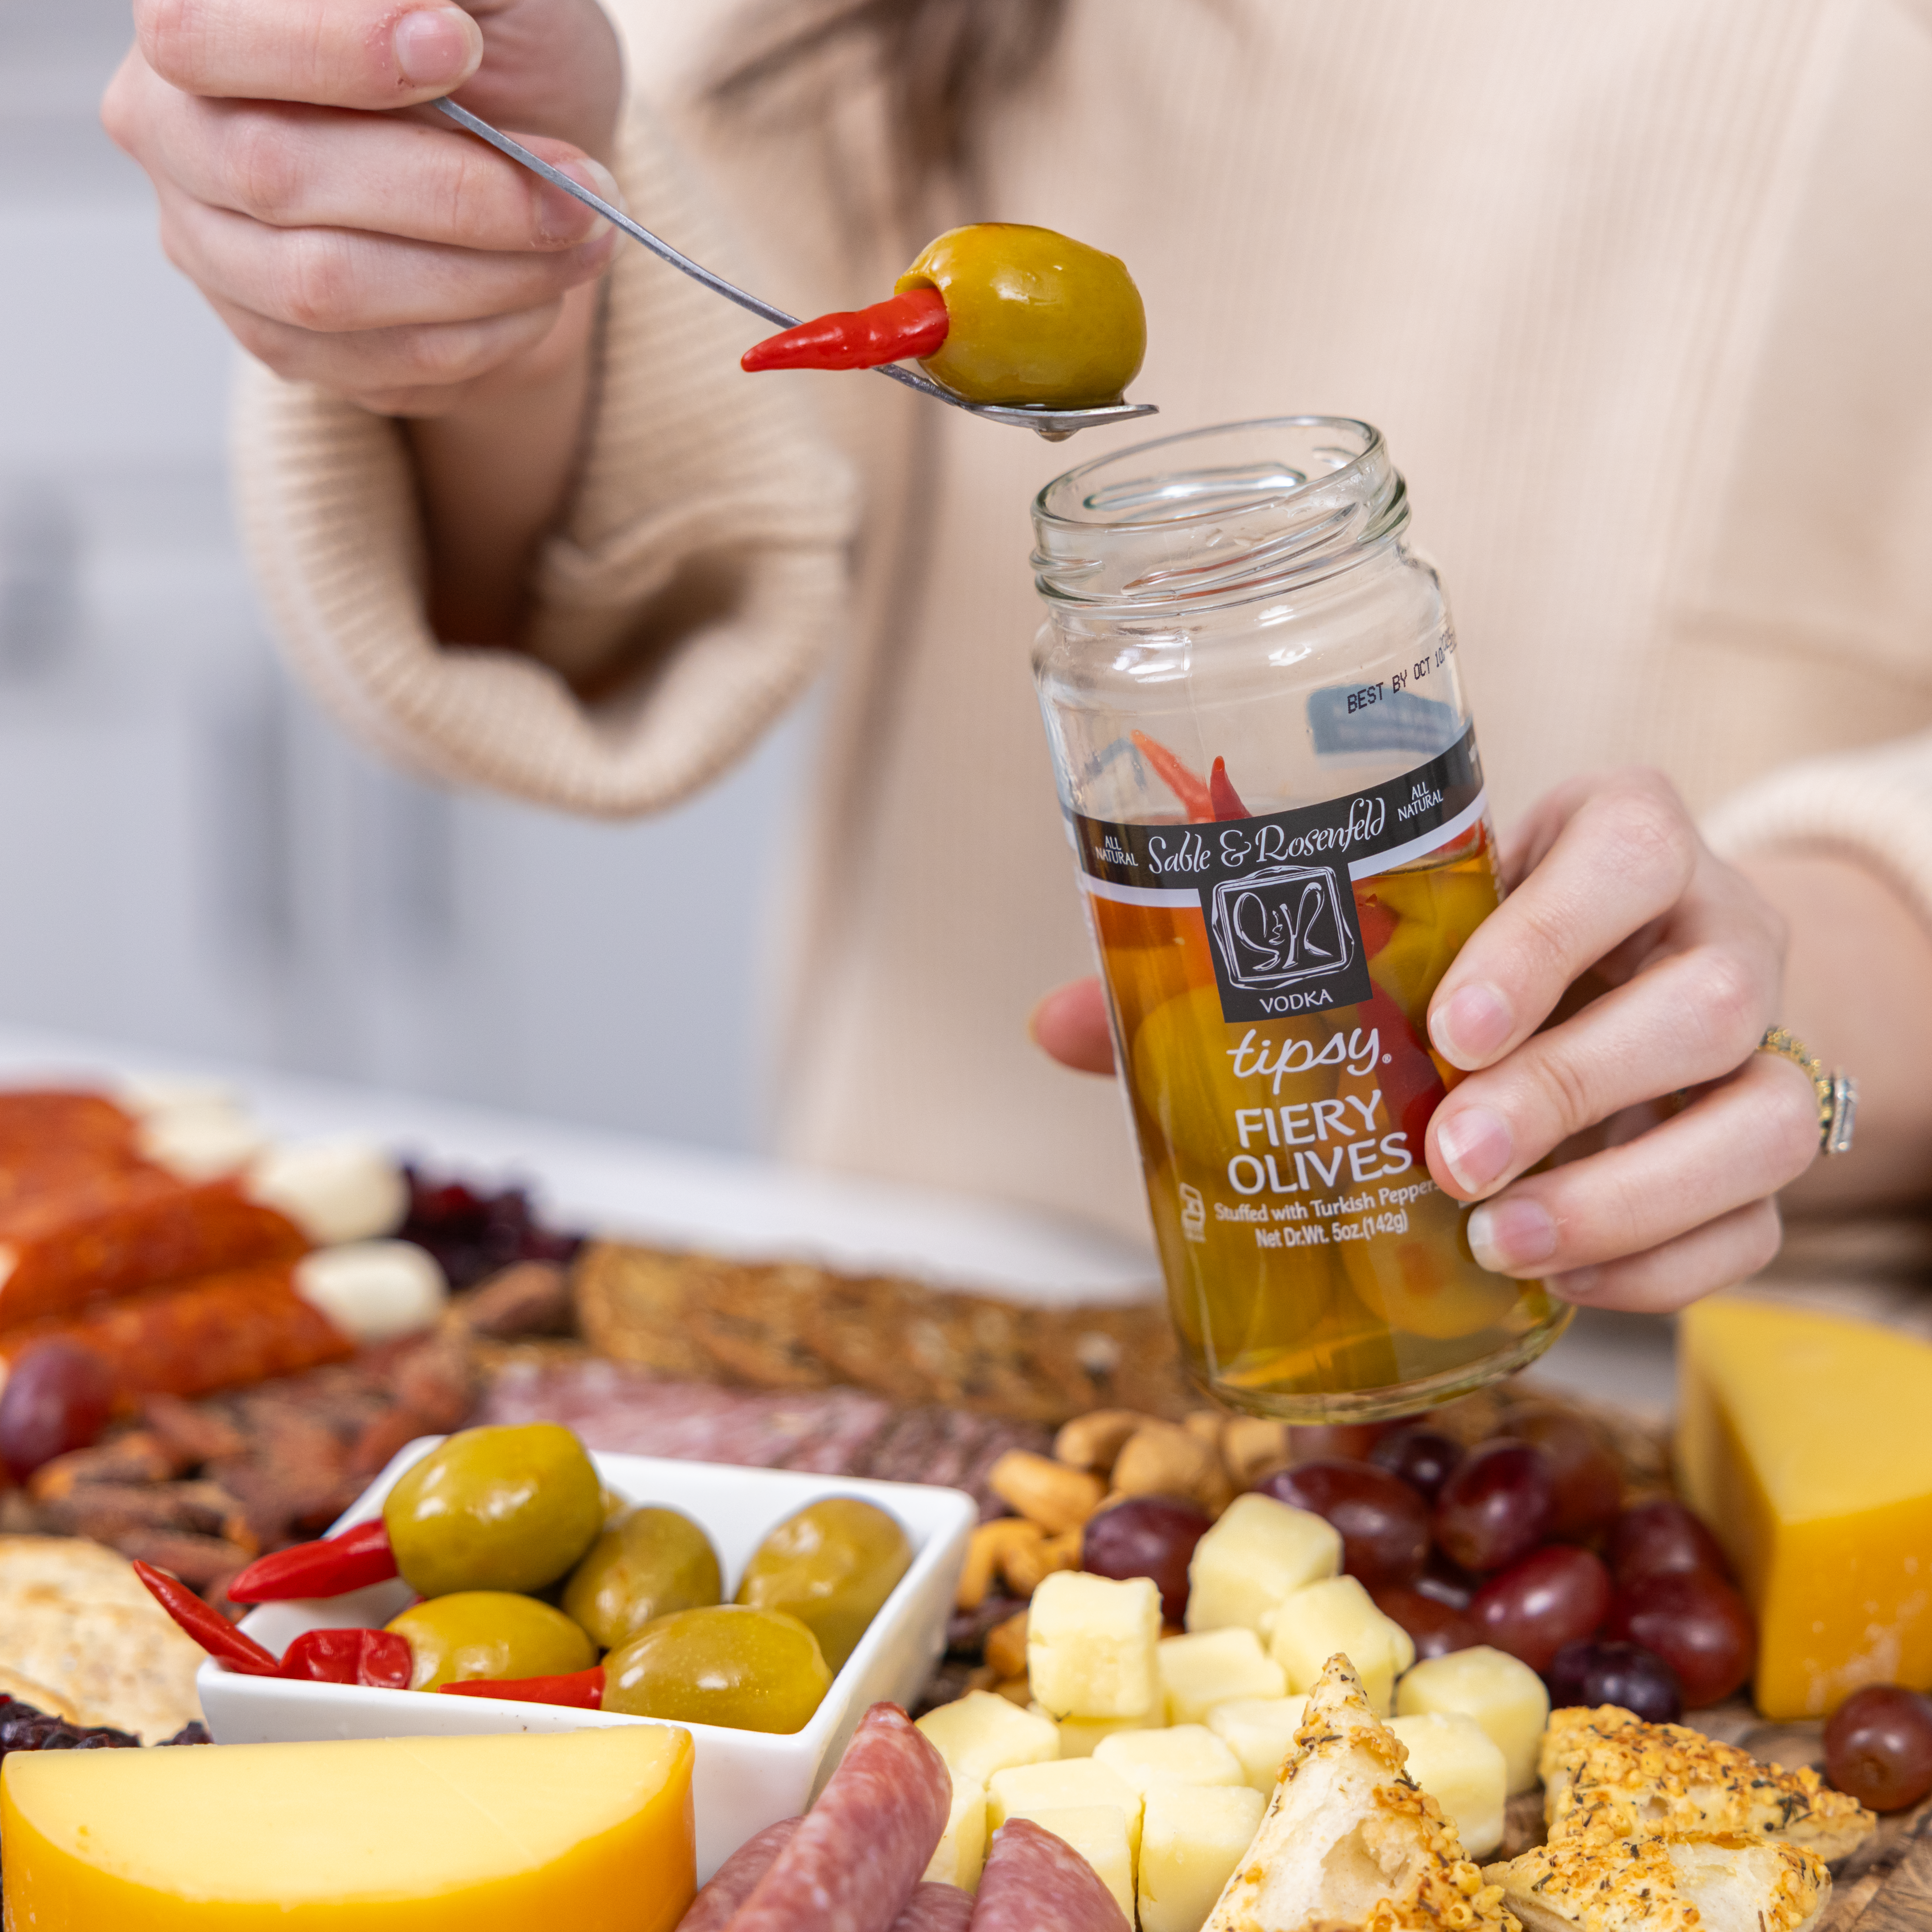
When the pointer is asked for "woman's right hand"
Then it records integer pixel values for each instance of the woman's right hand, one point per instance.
(388, 258)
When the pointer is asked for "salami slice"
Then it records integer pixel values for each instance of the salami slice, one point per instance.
(934, 1907)
(1036, 1882)
(852, 1863)
(736, 1879)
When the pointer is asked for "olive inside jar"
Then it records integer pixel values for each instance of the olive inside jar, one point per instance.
(1281, 830)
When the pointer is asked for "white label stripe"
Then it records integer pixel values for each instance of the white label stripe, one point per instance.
(1144, 895)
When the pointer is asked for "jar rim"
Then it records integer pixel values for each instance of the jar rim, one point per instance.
(1362, 497)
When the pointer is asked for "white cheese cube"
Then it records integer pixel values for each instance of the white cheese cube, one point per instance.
(1215, 1667)
(1078, 1736)
(374, 1290)
(1260, 1552)
(1501, 1692)
(1187, 1754)
(1098, 1833)
(1073, 1784)
(1339, 1614)
(961, 1849)
(1194, 1837)
(1091, 1645)
(984, 1732)
(1457, 1762)
(1260, 1731)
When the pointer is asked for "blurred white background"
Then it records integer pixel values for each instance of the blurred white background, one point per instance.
(191, 859)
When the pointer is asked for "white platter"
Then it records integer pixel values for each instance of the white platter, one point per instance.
(743, 1780)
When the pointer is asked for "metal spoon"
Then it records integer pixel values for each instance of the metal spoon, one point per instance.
(1055, 425)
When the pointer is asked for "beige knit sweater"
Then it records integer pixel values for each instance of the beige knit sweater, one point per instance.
(1641, 295)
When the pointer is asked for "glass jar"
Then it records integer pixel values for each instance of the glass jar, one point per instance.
(1277, 811)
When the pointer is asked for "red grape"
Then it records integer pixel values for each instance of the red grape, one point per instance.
(58, 1396)
(1553, 1596)
(1696, 1623)
(1657, 1538)
(1146, 1536)
(1311, 1440)
(1447, 1582)
(1589, 1486)
(1383, 1524)
(1497, 1505)
(1625, 1674)
(1435, 1627)
(1878, 1747)
(1421, 1457)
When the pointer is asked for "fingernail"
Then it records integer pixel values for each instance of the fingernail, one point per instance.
(1469, 1030)
(561, 216)
(1507, 1237)
(1578, 1284)
(1474, 1144)
(437, 47)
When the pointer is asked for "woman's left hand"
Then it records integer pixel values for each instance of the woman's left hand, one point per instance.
(1692, 1130)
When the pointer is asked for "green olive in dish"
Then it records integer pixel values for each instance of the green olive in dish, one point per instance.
(650, 1562)
(489, 1633)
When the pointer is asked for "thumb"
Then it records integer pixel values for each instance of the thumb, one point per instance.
(1070, 1025)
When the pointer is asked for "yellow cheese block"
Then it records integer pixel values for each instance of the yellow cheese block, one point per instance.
(1803, 1441)
(590, 1829)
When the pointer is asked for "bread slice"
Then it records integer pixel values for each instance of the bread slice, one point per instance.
(1606, 1768)
(1593, 1881)
(1349, 1843)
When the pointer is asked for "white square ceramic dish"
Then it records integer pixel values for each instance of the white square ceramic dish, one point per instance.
(744, 1780)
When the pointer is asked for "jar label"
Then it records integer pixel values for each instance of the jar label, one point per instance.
(1276, 889)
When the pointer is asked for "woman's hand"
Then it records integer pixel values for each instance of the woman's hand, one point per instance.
(388, 259)
(1685, 958)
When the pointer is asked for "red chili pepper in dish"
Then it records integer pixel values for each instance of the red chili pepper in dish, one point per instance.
(208, 1627)
(1223, 800)
(1191, 791)
(580, 1690)
(379, 1659)
(336, 1565)
(913, 324)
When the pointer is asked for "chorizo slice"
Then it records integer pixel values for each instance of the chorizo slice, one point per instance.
(1035, 1882)
(116, 1234)
(734, 1880)
(854, 1862)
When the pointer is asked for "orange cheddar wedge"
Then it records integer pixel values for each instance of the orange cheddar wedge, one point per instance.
(1803, 1441)
(590, 1829)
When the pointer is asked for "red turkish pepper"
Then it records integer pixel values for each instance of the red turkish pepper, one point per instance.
(913, 324)
(208, 1627)
(1193, 792)
(378, 1658)
(1223, 800)
(580, 1690)
(331, 1568)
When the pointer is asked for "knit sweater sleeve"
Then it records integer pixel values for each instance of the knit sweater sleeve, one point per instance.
(698, 576)
(1872, 806)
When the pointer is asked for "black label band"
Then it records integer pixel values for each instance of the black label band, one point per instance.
(1276, 891)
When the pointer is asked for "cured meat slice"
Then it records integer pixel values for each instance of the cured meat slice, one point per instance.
(51, 1142)
(117, 1233)
(1036, 1882)
(934, 1907)
(217, 1333)
(736, 1880)
(852, 1863)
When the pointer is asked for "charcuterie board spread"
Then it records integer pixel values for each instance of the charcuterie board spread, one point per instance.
(596, 1580)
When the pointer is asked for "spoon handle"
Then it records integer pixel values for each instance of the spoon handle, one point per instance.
(662, 249)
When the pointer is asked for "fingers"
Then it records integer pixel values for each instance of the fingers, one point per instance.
(318, 167)
(1728, 1151)
(1622, 859)
(340, 53)
(1691, 1017)
(1718, 1255)
(337, 281)
(1070, 1025)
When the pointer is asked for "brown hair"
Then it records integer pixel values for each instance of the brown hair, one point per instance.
(942, 62)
